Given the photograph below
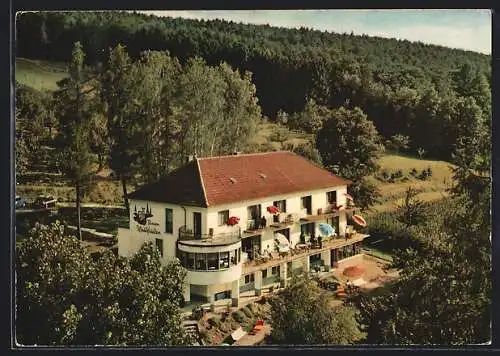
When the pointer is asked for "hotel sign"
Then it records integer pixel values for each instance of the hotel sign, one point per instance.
(144, 223)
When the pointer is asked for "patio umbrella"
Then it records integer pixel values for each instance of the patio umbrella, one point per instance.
(273, 209)
(358, 219)
(349, 197)
(326, 229)
(354, 271)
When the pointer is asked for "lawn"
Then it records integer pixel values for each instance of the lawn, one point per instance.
(40, 75)
(276, 137)
(431, 189)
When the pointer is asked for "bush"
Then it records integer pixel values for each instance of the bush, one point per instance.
(247, 312)
(424, 175)
(384, 174)
(213, 321)
(238, 316)
(413, 172)
(429, 172)
(398, 173)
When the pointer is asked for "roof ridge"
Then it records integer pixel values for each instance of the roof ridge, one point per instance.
(201, 180)
(244, 155)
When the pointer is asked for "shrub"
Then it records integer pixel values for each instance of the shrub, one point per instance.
(247, 312)
(225, 327)
(213, 321)
(399, 173)
(384, 174)
(238, 316)
(423, 175)
(413, 172)
(429, 172)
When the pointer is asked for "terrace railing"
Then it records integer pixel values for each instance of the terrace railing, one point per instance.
(186, 234)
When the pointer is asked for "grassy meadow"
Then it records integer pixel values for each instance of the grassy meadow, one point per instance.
(40, 75)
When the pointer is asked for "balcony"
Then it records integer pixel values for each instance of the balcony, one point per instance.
(298, 253)
(285, 220)
(328, 211)
(188, 237)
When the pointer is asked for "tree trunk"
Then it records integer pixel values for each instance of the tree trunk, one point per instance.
(213, 142)
(125, 194)
(78, 213)
(100, 158)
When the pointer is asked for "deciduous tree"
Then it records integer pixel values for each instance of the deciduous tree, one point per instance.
(300, 315)
(64, 297)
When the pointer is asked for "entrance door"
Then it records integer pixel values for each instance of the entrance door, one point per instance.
(197, 225)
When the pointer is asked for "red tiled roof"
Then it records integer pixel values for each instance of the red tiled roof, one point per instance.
(230, 179)
(260, 175)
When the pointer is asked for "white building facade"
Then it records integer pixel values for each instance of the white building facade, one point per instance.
(224, 260)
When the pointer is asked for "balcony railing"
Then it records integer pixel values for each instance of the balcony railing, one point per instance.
(328, 211)
(225, 238)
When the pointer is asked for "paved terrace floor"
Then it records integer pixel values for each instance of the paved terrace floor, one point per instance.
(253, 265)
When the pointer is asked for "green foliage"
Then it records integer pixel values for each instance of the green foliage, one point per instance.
(365, 194)
(238, 316)
(74, 110)
(310, 119)
(299, 316)
(247, 312)
(412, 211)
(348, 144)
(308, 151)
(66, 298)
(400, 143)
(444, 293)
(404, 87)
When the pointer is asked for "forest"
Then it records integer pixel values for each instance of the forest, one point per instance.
(406, 88)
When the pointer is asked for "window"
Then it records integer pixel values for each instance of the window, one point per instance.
(305, 203)
(201, 261)
(307, 229)
(213, 260)
(233, 255)
(239, 255)
(159, 244)
(275, 270)
(335, 223)
(331, 197)
(190, 260)
(169, 226)
(281, 205)
(249, 278)
(223, 217)
(253, 215)
(264, 273)
(182, 257)
(224, 259)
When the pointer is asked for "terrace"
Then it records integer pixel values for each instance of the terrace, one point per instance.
(307, 250)
(328, 211)
(189, 237)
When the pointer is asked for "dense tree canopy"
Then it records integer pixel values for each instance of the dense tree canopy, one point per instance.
(64, 297)
(403, 87)
(301, 315)
(349, 143)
